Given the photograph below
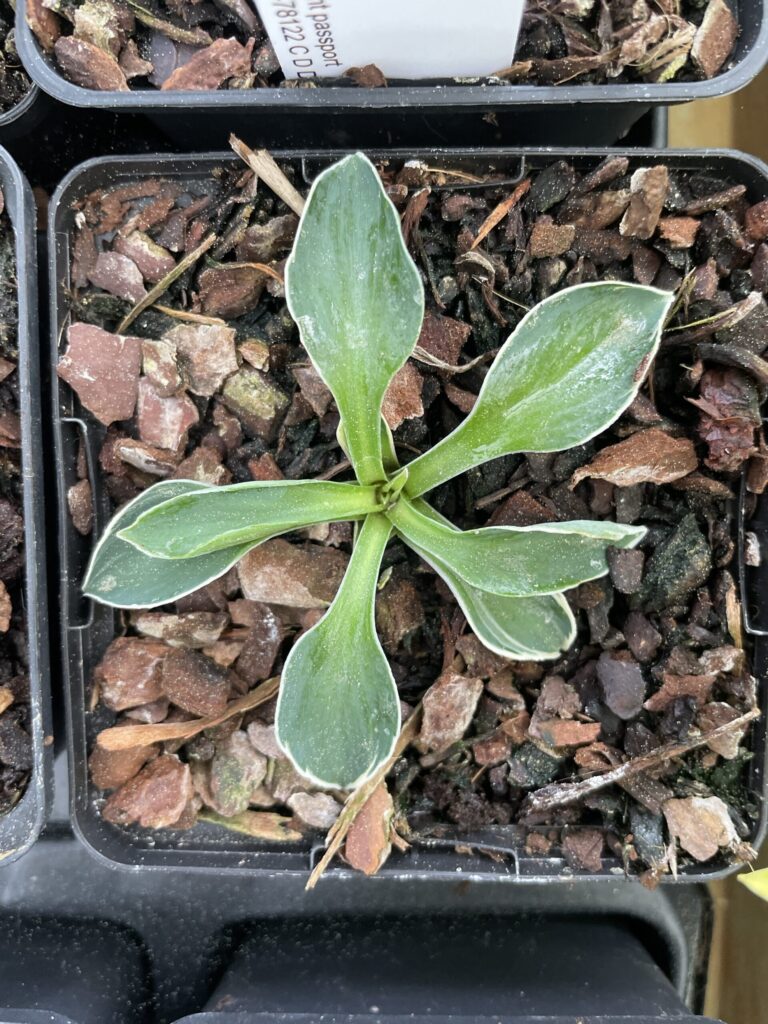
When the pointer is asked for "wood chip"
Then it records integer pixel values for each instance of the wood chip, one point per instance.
(564, 794)
(6, 608)
(649, 456)
(124, 737)
(263, 165)
(6, 698)
(497, 215)
(357, 800)
(368, 842)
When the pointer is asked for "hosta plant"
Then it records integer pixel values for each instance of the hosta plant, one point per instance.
(569, 368)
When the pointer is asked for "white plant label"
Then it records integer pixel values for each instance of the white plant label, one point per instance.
(404, 38)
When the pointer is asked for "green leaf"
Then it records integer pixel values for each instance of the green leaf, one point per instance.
(571, 366)
(522, 628)
(121, 576)
(338, 714)
(198, 523)
(357, 297)
(517, 561)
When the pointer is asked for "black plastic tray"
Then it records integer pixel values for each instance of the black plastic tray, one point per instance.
(409, 114)
(91, 971)
(545, 966)
(238, 1017)
(351, 944)
(22, 824)
(87, 628)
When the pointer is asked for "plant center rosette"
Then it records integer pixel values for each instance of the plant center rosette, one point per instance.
(520, 581)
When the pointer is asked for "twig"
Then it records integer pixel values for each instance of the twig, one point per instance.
(423, 356)
(262, 164)
(717, 322)
(163, 285)
(262, 267)
(340, 467)
(357, 800)
(500, 212)
(471, 179)
(128, 736)
(562, 794)
(194, 318)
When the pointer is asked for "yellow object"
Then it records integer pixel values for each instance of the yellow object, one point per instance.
(736, 122)
(756, 882)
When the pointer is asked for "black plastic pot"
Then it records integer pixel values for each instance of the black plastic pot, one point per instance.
(408, 114)
(245, 1017)
(236, 1017)
(546, 967)
(190, 931)
(32, 1017)
(87, 628)
(92, 972)
(22, 824)
(25, 116)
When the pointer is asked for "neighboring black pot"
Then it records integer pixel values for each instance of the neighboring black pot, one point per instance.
(25, 115)
(378, 971)
(408, 114)
(60, 970)
(226, 1017)
(88, 628)
(20, 827)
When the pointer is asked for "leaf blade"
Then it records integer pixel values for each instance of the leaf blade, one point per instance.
(570, 367)
(520, 628)
(517, 561)
(120, 576)
(199, 523)
(357, 297)
(337, 678)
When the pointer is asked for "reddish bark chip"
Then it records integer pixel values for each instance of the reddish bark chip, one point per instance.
(648, 191)
(194, 683)
(103, 369)
(210, 67)
(89, 66)
(118, 275)
(278, 572)
(402, 400)
(113, 768)
(156, 798)
(368, 841)
(164, 422)
(650, 456)
(756, 221)
(715, 38)
(449, 705)
(129, 672)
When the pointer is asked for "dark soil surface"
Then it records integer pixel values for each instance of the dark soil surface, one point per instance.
(189, 44)
(15, 743)
(14, 81)
(660, 657)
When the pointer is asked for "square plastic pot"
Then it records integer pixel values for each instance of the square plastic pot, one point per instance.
(88, 628)
(22, 118)
(407, 114)
(22, 824)
(59, 970)
(239, 1017)
(520, 966)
